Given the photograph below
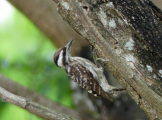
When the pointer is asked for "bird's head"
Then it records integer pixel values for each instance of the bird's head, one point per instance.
(62, 56)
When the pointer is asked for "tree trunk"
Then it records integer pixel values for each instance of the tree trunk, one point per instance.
(129, 34)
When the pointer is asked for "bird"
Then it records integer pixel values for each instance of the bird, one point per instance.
(84, 72)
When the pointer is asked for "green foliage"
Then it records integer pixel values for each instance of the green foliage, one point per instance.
(26, 57)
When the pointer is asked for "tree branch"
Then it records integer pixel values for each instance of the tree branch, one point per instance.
(119, 32)
(29, 95)
(32, 107)
(128, 33)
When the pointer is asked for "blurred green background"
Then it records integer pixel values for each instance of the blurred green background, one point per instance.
(26, 57)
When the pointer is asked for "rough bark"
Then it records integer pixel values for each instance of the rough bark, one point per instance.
(134, 69)
(129, 34)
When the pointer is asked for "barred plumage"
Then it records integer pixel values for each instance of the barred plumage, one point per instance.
(84, 72)
(85, 79)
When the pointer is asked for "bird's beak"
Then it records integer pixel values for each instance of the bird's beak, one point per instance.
(68, 45)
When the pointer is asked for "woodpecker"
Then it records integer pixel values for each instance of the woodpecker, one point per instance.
(88, 75)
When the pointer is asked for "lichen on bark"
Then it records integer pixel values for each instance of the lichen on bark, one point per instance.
(124, 32)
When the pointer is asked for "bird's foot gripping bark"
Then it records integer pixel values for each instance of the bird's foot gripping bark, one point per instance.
(102, 60)
(114, 91)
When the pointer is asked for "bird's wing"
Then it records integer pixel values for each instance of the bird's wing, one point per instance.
(85, 79)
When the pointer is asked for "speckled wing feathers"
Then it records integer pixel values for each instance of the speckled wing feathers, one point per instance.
(85, 79)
